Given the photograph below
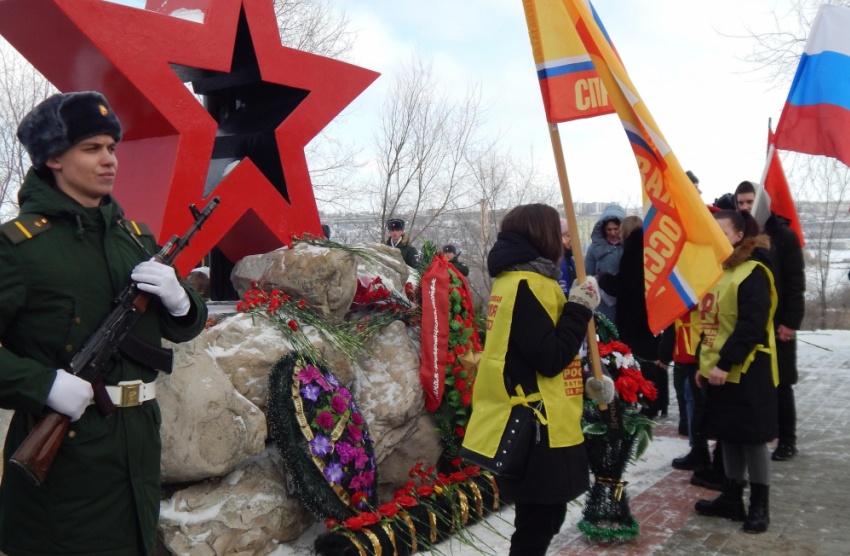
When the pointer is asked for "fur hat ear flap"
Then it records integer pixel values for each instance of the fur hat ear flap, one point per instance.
(63, 120)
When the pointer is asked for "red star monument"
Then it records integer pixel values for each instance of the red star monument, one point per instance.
(264, 103)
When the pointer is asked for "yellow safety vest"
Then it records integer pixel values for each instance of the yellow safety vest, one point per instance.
(719, 314)
(562, 395)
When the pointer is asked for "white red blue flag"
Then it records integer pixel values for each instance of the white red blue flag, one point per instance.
(816, 117)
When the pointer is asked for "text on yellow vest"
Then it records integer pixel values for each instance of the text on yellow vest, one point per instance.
(719, 314)
(562, 395)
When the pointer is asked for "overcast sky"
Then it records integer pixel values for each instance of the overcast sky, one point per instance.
(711, 109)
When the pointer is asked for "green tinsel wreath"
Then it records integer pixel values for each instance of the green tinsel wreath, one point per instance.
(311, 486)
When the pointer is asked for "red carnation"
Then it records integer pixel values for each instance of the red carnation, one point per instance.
(293, 325)
(465, 399)
(647, 388)
(353, 523)
(368, 518)
(331, 524)
(457, 369)
(406, 501)
(472, 471)
(460, 431)
(456, 462)
(358, 497)
(450, 358)
(477, 346)
(459, 349)
(240, 307)
(389, 510)
(425, 490)
(302, 303)
(627, 387)
(458, 477)
(460, 384)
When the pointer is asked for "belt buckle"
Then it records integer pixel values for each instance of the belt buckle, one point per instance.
(130, 394)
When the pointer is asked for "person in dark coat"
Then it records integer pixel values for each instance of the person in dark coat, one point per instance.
(451, 252)
(738, 368)
(544, 334)
(787, 257)
(567, 263)
(632, 319)
(62, 263)
(605, 252)
(401, 241)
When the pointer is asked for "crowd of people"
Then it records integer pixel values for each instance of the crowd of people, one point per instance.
(733, 359)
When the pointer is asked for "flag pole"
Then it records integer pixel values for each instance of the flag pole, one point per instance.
(569, 211)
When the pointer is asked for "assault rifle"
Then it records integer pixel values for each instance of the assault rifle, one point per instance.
(35, 455)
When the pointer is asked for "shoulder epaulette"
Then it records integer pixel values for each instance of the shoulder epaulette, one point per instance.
(26, 227)
(138, 228)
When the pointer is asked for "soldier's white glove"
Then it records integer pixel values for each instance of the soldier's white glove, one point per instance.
(600, 390)
(70, 395)
(586, 293)
(160, 279)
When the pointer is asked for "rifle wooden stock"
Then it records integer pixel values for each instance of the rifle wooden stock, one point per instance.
(35, 455)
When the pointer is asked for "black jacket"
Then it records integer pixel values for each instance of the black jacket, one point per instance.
(746, 412)
(628, 287)
(554, 475)
(790, 278)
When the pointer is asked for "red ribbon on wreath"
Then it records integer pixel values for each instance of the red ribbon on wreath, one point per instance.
(435, 331)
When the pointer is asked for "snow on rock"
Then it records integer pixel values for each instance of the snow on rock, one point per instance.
(249, 512)
(326, 278)
(387, 263)
(190, 15)
(391, 399)
(208, 427)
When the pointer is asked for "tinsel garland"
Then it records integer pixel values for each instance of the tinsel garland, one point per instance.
(311, 486)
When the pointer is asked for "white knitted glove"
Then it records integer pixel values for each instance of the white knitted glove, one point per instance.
(160, 279)
(70, 395)
(601, 391)
(586, 293)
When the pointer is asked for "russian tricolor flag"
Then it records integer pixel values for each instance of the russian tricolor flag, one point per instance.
(816, 117)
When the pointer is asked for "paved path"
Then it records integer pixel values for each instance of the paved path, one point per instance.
(810, 495)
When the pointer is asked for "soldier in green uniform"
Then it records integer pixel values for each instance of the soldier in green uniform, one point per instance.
(400, 240)
(452, 254)
(62, 262)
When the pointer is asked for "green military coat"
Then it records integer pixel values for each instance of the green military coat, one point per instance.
(460, 267)
(102, 494)
(408, 252)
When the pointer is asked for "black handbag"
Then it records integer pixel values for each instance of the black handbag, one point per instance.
(511, 458)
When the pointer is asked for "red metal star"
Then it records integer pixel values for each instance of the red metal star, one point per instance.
(168, 136)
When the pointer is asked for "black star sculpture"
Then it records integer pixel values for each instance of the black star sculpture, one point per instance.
(247, 109)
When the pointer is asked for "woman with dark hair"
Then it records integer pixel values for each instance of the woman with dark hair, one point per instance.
(605, 252)
(632, 319)
(530, 358)
(738, 367)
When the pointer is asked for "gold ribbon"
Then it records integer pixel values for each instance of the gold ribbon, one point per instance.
(432, 518)
(618, 486)
(412, 528)
(464, 507)
(356, 543)
(308, 433)
(389, 531)
(375, 542)
(495, 489)
(476, 494)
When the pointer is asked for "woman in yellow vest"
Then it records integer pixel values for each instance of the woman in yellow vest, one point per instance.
(738, 367)
(533, 340)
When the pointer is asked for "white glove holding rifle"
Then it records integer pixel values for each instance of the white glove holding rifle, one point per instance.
(161, 280)
(70, 395)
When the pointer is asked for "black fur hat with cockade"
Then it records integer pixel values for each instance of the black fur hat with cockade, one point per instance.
(63, 120)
